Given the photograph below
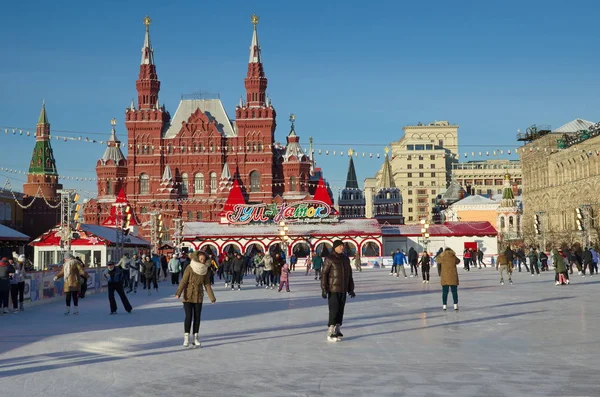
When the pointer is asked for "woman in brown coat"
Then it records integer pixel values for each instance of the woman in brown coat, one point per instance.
(446, 262)
(71, 272)
(195, 280)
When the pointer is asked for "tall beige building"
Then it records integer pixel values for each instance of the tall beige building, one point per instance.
(561, 176)
(421, 166)
(486, 177)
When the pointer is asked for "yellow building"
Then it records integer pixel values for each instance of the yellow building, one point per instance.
(421, 162)
(473, 208)
(11, 214)
(486, 177)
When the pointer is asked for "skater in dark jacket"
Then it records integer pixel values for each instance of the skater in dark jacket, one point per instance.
(7, 271)
(116, 278)
(413, 258)
(237, 269)
(149, 270)
(425, 262)
(193, 283)
(336, 282)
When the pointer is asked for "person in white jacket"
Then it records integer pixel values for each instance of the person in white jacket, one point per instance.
(174, 269)
(268, 272)
(17, 284)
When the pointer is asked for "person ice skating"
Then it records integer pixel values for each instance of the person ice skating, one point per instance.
(278, 262)
(594, 261)
(193, 283)
(17, 284)
(115, 277)
(71, 272)
(399, 260)
(413, 258)
(544, 261)
(237, 269)
(533, 261)
(336, 282)
(587, 259)
(425, 263)
(174, 268)
(480, 258)
(259, 268)
(285, 278)
(124, 265)
(293, 261)
(446, 262)
(149, 270)
(7, 271)
(560, 268)
(503, 265)
(317, 265)
(308, 264)
(135, 266)
(357, 262)
(467, 260)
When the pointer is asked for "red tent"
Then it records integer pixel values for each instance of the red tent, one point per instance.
(235, 197)
(121, 199)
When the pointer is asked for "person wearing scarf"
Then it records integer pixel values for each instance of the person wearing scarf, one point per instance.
(71, 272)
(192, 285)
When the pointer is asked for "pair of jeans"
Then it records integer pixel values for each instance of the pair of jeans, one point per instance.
(125, 278)
(118, 287)
(259, 275)
(175, 278)
(16, 292)
(267, 275)
(237, 278)
(317, 274)
(534, 265)
(74, 295)
(4, 298)
(336, 302)
(425, 272)
(413, 267)
(454, 289)
(192, 311)
(133, 280)
(394, 268)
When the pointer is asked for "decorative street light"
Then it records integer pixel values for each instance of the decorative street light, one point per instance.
(283, 234)
(424, 233)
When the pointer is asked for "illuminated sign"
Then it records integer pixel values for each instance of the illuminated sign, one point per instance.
(308, 210)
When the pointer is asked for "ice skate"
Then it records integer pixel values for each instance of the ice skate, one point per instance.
(196, 341)
(113, 313)
(76, 310)
(68, 311)
(338, 333)
(272, 287)
(568, 282)
(16, 310)
(427, 281)
(444, 307)
(186, 340)
(239, 288)
(423, 281)
(501, 282)
(557, 283)
(267, 287)
(331, 337)
(21, 307)
(456, 306)
(510, 281)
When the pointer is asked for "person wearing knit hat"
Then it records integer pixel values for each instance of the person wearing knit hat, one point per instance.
(17, 284)
(6, 273)
(336, 282)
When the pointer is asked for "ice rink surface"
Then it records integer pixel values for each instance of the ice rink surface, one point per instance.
(528, 339)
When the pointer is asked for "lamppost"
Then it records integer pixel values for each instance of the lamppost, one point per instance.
(424, 233)
(283, 234)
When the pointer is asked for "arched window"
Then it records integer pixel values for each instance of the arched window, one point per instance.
(502, 223)
(184, 184)
(170, 149)
(109, 187)
(510, 222)
(199, 183)
(144, 184)
(213, 182)
(254, 181)
(293, 183)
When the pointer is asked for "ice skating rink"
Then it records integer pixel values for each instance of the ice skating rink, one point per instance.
(528, 339)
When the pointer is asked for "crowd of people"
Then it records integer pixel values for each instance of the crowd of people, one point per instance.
(195, 272)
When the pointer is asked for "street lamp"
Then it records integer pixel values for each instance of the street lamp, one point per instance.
(424, 233)
(283, 234)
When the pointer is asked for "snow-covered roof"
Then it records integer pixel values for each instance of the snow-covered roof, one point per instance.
(350, 227)
(213, 108)
(574, 126)
(109, 234)
(8, 234)
(475, 200)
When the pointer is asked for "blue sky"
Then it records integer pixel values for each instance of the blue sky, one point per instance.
(353, 72)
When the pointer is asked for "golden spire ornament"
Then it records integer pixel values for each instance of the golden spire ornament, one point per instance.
(254, 19)
(147, 22)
